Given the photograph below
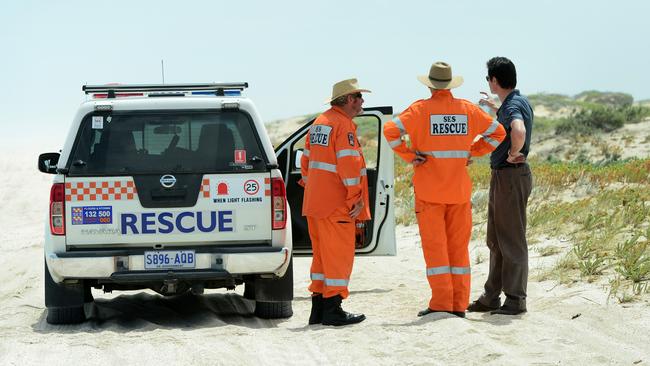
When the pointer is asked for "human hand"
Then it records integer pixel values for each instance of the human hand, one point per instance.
(419, 160)
(356, 208)
(516, 158)
(488, 102)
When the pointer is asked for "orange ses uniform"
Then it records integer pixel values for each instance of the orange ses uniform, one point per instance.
(443, 129)
(334, 173)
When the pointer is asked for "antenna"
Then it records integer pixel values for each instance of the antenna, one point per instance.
(162, 67)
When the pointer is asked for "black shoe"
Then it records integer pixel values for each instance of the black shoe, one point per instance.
(333, 314)
(460, 314)
(316, 316)
(429, 311)
(478, 307)
(508, 310)
(426, 311)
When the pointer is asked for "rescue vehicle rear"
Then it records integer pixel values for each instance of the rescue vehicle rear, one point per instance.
(172, 188)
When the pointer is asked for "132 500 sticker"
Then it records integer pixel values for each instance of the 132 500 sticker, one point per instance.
(89, 215)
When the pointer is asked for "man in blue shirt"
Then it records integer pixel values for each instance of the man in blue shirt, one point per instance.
(510, 186)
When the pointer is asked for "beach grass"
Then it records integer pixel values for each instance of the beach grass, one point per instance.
(603, 210)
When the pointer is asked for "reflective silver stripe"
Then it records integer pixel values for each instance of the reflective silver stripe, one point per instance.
(305, 152)
(438, 270)
(363, 172)
(317, 277)
(351, 181)
(336, 282)
(398, 123)
(395, 143)
(460, 270)
(445, 154)
(492, 142)
(492, 128)
(350, 152)
(322, 166)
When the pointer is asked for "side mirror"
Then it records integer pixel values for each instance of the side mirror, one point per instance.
(297, 155)
(47, 162)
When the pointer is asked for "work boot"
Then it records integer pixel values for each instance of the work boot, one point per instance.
(428, 311)
(460, 314)
(316, 316)
(333, 314)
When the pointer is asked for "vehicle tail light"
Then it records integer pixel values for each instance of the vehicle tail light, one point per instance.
(57, 209)
(279, 203)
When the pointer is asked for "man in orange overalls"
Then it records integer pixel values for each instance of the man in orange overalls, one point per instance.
(336, 195)
(442, 131)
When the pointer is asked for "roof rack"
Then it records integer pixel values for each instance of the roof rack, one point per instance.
(218, 88)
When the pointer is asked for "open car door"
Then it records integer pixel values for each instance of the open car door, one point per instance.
(377, 236)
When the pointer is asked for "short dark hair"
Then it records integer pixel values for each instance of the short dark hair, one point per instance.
(340, 101)
(504, 70)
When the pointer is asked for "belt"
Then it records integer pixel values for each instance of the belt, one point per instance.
(511, 166)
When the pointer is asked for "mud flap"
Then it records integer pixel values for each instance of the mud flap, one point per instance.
(276, 289)
(65, 303)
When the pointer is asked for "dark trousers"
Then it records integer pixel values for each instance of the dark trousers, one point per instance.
(506, 236)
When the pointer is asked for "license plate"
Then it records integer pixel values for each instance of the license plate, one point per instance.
(167, 259)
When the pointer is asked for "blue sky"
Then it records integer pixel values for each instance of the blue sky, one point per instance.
(291, 52)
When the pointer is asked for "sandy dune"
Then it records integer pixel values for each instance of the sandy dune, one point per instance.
(565, 325)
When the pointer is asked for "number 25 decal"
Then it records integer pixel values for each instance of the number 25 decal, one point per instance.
(251, 187)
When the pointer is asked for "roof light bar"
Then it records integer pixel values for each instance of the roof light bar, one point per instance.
(217, 88)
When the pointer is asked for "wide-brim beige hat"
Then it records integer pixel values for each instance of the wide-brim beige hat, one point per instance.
(345, 87)
(440, 77)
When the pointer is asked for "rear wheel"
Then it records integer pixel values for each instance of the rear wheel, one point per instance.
(67, 315)
(65, 303)
(273, 310)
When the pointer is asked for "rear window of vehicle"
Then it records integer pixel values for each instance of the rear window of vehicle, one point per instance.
(170, 141)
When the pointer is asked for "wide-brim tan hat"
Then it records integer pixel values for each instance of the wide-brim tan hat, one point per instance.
(345, 87)
(440, 77)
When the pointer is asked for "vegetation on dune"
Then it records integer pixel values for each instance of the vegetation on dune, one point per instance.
(585, 99)
(594, 119)
(589, 112)
(605, 98)
(607, 226)
(553, 101)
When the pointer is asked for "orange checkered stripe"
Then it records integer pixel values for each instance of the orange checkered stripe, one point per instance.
(105, 190)
(205, 187)
(267, 186)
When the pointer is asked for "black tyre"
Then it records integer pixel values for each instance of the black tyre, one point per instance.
(65, 303)
(67, 315)
(273, 310)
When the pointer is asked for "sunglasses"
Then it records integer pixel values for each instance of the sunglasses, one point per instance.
(357, 95)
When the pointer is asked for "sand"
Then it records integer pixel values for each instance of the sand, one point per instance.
(565, 325)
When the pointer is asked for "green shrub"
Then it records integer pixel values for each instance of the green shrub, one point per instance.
(545, 126)
(590, 120)
(598, 118)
